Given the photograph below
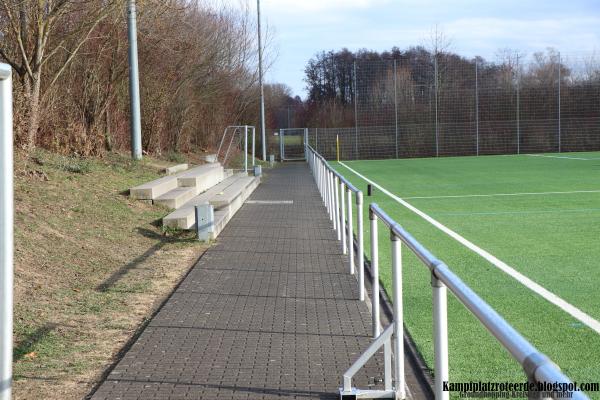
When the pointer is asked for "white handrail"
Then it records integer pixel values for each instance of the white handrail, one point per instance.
(537, 366)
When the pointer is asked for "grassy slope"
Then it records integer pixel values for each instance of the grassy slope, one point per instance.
(90, 267)
(554, 248)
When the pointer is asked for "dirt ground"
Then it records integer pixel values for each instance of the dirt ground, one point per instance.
(91, 267)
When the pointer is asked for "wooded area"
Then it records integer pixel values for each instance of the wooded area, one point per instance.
(198, 73)
(424, 102)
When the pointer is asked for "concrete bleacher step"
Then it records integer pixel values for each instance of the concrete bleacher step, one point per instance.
(177, 197)
(227, 196)
(152, 190)
(225, 214)
(184, 218)
(176, 168)
(202, 178)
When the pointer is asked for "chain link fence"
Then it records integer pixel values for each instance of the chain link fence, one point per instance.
(446, 105)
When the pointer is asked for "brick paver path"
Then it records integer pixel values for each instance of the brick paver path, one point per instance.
(269, 312)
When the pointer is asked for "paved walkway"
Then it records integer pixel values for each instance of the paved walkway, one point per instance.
(269, 312)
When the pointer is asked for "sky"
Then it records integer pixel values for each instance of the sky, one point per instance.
(301, 28)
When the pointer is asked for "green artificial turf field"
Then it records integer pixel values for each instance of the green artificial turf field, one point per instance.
(508, 206)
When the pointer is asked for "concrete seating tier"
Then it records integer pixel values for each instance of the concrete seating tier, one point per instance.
(175, 169)
(177, 197)
(227, 197)
(225, 190)
(152, 190)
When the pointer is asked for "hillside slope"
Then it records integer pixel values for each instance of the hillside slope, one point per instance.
(91, 266)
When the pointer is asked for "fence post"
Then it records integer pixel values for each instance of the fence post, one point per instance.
(437, 129)
(246, 148)
(559, 121)
(518, 108)
(336, 207)
(254, 146)
(350, 233)
(361, 246)
(477, 107)
(281, 156)
(6, 231)
(396, 103)
(375, 273)
(398, 315)
(355, 114)
(343, 216)
(440, 337)
(330, 196)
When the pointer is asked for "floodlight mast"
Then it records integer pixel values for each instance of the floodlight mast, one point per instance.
(134, 83)
(262, 89)
(6, 231)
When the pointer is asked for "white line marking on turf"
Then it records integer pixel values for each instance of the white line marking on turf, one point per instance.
(566, 157)
(535, 287)
(500, 194)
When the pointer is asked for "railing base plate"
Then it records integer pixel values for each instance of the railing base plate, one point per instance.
(355, 394)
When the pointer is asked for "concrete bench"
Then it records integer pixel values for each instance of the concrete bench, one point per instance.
(202, 178)
(227, 196)
(177, 197)
(223, 216)
(152, 190)
(184, 218)
(176, 168)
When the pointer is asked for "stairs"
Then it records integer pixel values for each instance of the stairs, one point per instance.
(205, 184)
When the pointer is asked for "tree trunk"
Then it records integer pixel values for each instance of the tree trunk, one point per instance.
(107, 132)
(34, 112)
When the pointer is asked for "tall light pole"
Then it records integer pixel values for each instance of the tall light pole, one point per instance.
(134, 83)
(262, 89)
(6, 231)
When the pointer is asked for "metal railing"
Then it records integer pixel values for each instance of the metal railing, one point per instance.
(336, 192)
(536, 366)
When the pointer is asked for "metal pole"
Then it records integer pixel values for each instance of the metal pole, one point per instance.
(440, 337)
(355, 114)
(246, 148)
(253, 146)
(305, 141)
(518, 109)
(559, 127)
(333, 193)
(398, 315)
(361, 246)
(477, 106)
(260, 82)
(396, 103)
(437, 130)
(134, 83)
(317, 139)
(375, 272)
(350, 233)
(281, 144)
(336, 208)
(387, 367)
(6, 231)
(343, 217)
(326, 187)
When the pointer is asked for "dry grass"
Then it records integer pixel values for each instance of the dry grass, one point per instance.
(91, 266)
